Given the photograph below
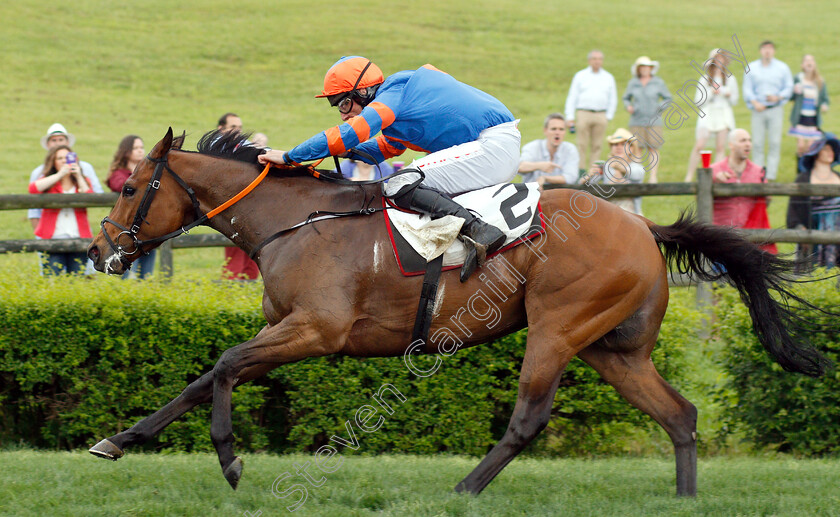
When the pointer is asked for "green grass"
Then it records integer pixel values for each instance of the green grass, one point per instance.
(74, 484)
(106, 70)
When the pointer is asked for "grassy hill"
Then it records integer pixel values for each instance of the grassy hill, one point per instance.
(107, 69)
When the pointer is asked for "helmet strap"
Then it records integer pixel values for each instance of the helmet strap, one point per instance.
(364, 100)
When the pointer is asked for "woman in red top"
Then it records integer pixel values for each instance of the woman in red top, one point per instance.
(129, 153)
(59, 177)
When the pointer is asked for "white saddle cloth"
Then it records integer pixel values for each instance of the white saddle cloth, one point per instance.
(510, 207)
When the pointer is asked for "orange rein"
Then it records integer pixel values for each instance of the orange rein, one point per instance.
(247, 190)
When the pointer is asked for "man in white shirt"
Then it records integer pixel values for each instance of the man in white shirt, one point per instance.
(767, 87)
(550, 159)
(590, 106)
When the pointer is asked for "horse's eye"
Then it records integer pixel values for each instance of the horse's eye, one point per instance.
(128, 191)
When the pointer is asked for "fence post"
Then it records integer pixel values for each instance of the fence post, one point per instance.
(166, 266)
(705, 204)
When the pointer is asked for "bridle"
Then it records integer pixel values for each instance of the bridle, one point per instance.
(162, 164)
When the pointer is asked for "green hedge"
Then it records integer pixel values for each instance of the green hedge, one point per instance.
(83, 358)
(770, 407)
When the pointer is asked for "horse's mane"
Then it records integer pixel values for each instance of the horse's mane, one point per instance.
(233, 145)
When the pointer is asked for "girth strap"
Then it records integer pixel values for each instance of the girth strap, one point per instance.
(426, 307)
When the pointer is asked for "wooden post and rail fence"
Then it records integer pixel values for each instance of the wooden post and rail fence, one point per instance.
(704, 191)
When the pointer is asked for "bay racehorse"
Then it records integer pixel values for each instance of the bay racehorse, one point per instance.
(595, 285)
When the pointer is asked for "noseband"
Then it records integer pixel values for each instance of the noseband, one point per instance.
(161, 164)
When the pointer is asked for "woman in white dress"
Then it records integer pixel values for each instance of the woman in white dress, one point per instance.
(721, 94)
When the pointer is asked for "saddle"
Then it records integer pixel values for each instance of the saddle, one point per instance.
(418, 239)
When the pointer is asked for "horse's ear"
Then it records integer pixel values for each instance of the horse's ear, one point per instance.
(162, 147)
(179, 141)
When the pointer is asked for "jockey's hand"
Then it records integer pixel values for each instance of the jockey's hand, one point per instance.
(275, 156)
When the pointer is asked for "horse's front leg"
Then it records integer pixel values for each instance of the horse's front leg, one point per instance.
(296, 337)
(197, 392)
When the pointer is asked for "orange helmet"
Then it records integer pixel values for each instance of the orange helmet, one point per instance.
(349, 74)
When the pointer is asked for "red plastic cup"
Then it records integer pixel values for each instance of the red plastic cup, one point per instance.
(706, 156)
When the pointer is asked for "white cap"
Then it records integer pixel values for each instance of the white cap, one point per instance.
(57, 129)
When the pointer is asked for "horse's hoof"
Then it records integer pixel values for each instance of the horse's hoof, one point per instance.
(463, 488)
(106, 449)
(233, 472)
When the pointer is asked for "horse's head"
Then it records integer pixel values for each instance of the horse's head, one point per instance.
(152, 204)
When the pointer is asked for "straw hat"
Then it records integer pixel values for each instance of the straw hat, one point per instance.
(620, 135)
(57, 129)
(644, 61)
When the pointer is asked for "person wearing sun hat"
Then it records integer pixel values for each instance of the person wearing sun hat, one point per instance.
(819, 165)
(620, 168)
(471, 138)
(644, 95)
(57, 135)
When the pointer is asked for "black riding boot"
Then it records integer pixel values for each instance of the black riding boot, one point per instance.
(480, 238)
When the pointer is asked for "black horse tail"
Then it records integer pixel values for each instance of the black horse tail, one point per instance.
(691, 247)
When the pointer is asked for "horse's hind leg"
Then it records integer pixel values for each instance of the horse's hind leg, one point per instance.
(633, 375)
(541, 371)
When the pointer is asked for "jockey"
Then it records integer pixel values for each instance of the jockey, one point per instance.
(472, 140)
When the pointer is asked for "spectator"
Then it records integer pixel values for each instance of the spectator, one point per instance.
(735, 211)
(645, 93)
(590, 105)
(550, 159)
(230, 122)
(620, 168)
(818, 212)
(57, 135)
(129, 153)
(810, 101)
(259, 140)
(721, 94)
(59, 177)
(238, 265)
(358, 170)
(767, 87)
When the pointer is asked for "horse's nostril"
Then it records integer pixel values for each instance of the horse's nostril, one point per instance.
(93, 253)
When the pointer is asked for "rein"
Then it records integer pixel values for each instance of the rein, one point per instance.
(162, 164)
(322, 215)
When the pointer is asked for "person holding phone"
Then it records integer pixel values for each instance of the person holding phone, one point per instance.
(62, 174)
(58, 135)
